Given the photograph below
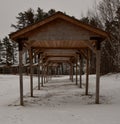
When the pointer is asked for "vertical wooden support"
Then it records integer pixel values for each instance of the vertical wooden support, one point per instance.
(31, 72)
(51, 73)
(98, 54)
(20, 72)
(87, 73)
(80, 68)
(76, 73)
(47, 74)
(97, 72)
(38, 71)
(72, 72)
(42, 74)
(70, 68)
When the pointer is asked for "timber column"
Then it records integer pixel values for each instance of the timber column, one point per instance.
(20, 71)
(31, 71)
(80, 70)
(87, 73)
(38, 71)
(42, 73)
(98, 54)
(76, 71)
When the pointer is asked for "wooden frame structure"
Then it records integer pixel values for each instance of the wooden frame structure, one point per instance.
(57, 39)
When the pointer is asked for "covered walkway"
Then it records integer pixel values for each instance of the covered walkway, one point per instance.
(61, 92)
(55, 40)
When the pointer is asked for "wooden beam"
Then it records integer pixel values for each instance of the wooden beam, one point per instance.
(60, 55)
(83, 53)
(89, 45)
(21, 73)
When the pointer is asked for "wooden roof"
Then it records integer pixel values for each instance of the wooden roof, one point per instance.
(61, 15)
(61, 33)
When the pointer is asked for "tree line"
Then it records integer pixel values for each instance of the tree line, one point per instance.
(105, 15)
(9, 49)
(8, 52)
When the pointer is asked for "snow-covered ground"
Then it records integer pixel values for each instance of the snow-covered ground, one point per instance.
(60, 102)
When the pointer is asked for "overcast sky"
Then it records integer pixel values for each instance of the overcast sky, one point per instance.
(9, 9)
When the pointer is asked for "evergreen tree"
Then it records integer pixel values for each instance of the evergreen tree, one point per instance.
(15, 52)
(1, 50)
(21, 21)
(8, 51)
(51, 12)
(40, 14)
(108, 18)
(29, 17)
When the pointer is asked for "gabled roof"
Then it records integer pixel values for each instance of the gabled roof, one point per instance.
(55, 16)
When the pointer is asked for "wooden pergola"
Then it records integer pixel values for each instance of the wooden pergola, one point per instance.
(59, 39)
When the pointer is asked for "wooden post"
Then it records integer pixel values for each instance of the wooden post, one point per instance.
(38, 71)
(31, 72)
(87, 74)
(76, 74)
(72, 72)
(42, 74)
(73, 69)
(20, 72)
(97, 72)
(47, 76)
(80, 68)
(98, 54)
(48, 71)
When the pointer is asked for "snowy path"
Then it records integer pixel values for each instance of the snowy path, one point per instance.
(60, 102)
